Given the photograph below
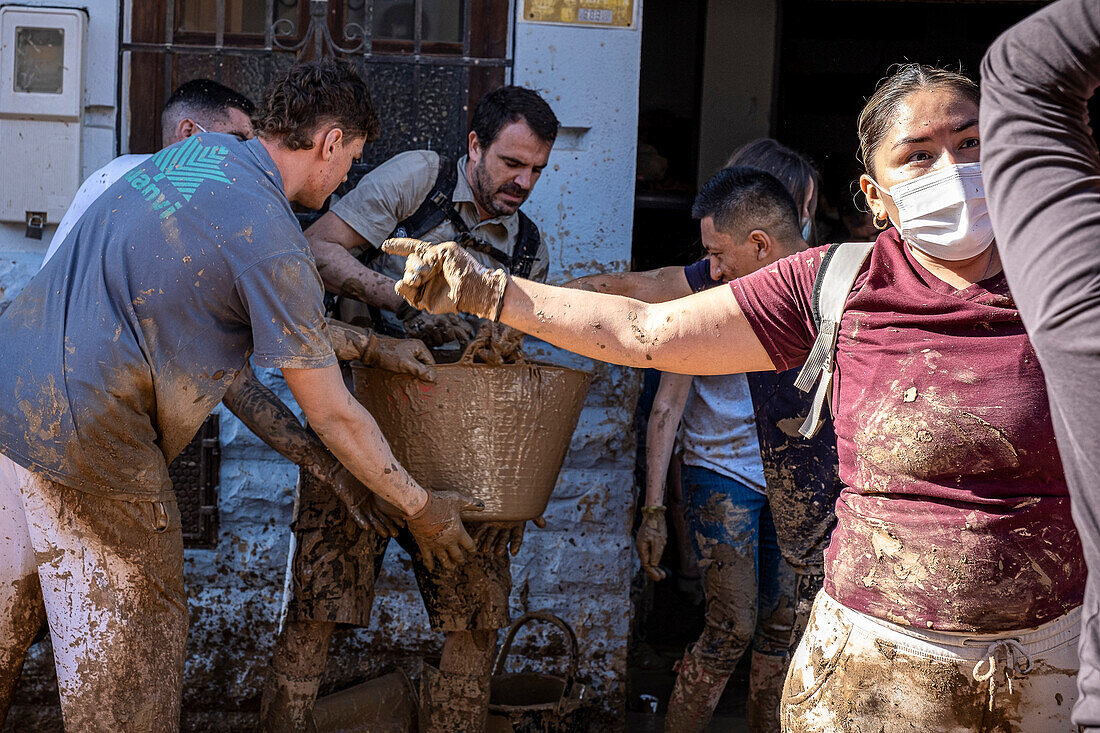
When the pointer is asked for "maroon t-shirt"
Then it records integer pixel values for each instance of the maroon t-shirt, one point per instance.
(955, 514)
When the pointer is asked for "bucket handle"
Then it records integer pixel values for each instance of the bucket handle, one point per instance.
(546, 617)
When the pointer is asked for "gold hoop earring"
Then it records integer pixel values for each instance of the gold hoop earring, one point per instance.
(885, 223)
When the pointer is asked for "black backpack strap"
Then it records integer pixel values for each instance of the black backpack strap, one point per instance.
(527, 247)
(436, 206)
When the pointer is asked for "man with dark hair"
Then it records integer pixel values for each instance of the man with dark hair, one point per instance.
(748, 220)
(199, 105)
(114, 355)
(474, 201)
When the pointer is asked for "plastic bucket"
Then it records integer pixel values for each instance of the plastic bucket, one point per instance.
(499, 433)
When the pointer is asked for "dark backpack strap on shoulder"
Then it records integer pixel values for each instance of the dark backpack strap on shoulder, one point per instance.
(526, 248)
(436, 206)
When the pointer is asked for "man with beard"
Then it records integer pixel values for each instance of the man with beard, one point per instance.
(473, 201)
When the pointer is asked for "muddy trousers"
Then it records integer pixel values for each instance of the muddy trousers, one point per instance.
(108, 575)
(854, 673)
(749, 590)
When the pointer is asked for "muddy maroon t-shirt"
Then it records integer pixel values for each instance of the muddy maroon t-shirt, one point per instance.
(955, 514)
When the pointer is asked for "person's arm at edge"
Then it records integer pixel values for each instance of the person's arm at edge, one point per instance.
(352, 435)
(704, 333)
(651, 286)
(275, 424)
(664, 420)
(330, 238)
(1039, 160)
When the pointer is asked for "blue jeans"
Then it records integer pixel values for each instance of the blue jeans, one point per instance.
(748, 586)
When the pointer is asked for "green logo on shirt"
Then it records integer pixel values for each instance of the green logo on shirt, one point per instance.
(185, 167)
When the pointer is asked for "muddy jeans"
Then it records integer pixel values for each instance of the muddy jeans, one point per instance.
(856, 674)
(109, 574)
(748, 585)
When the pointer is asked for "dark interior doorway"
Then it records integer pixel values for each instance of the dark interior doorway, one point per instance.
(831, 55)
(668, 134)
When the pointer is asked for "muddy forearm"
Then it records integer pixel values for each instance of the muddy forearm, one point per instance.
(349, 431)
(348, 341)
(654, 286)
(705, 333)
(347, 276)
(272, 421)
(664, 419)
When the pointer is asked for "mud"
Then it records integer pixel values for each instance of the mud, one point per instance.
(23, 616)
(508, 456)
(844, 680)
(694, 696)
(297, 666)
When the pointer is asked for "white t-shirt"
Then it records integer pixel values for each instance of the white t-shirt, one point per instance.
(88, 192)
(719, 429)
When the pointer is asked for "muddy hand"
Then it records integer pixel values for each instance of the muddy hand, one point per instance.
(438, 529)
(360, 502)
(500, 537)
(406, 356)
(437, 330)
(444, 278)
(496, 344)
(651, 539)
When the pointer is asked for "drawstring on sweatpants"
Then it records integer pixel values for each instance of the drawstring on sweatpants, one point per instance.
(1017, 660)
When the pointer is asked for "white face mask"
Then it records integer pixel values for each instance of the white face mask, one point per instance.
(943, 213)
(807, 228)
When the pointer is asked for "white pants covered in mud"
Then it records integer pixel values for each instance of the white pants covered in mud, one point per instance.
(109, 575)
(858, 674)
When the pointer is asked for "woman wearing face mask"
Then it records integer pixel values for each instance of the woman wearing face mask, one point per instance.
(955, 575)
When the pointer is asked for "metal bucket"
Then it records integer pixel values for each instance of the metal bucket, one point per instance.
(499, 433)
(532, 702)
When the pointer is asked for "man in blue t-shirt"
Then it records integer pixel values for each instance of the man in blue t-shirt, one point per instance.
(116, 352)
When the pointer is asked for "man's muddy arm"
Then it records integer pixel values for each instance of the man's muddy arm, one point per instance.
(664, 419)
(349, 431)
(652, 286)
(704, 333)
(272, 421)
(331, 238)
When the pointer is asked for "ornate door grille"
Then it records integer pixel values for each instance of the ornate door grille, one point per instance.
(421, 85)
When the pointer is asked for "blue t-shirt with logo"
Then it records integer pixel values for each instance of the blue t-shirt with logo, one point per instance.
(119, 348)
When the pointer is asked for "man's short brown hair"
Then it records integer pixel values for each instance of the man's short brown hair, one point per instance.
(309, 95)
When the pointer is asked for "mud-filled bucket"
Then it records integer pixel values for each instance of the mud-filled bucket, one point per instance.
(532, 702)
(499, 433)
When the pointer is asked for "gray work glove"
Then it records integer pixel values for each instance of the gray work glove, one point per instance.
(438, 530)
(500, 537)
(363, 504)
(651, 539)
(435, 330)
(405, 356)
(495, 344)
(444, 278)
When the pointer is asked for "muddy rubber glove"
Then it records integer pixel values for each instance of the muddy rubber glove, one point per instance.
(435, 330)
(361, 502)
(438, 531)
(500, 537)
(651, 539)
(405, 356)
(444, 278)
(495, 344)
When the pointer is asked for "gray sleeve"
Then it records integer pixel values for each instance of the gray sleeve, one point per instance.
(284, 299)
(388, 194)
(1039, 160)
(1042, 176)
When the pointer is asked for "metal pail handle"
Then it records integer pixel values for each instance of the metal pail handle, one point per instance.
(546, 617)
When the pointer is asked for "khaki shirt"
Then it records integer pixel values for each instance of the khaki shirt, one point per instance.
(390, 193)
